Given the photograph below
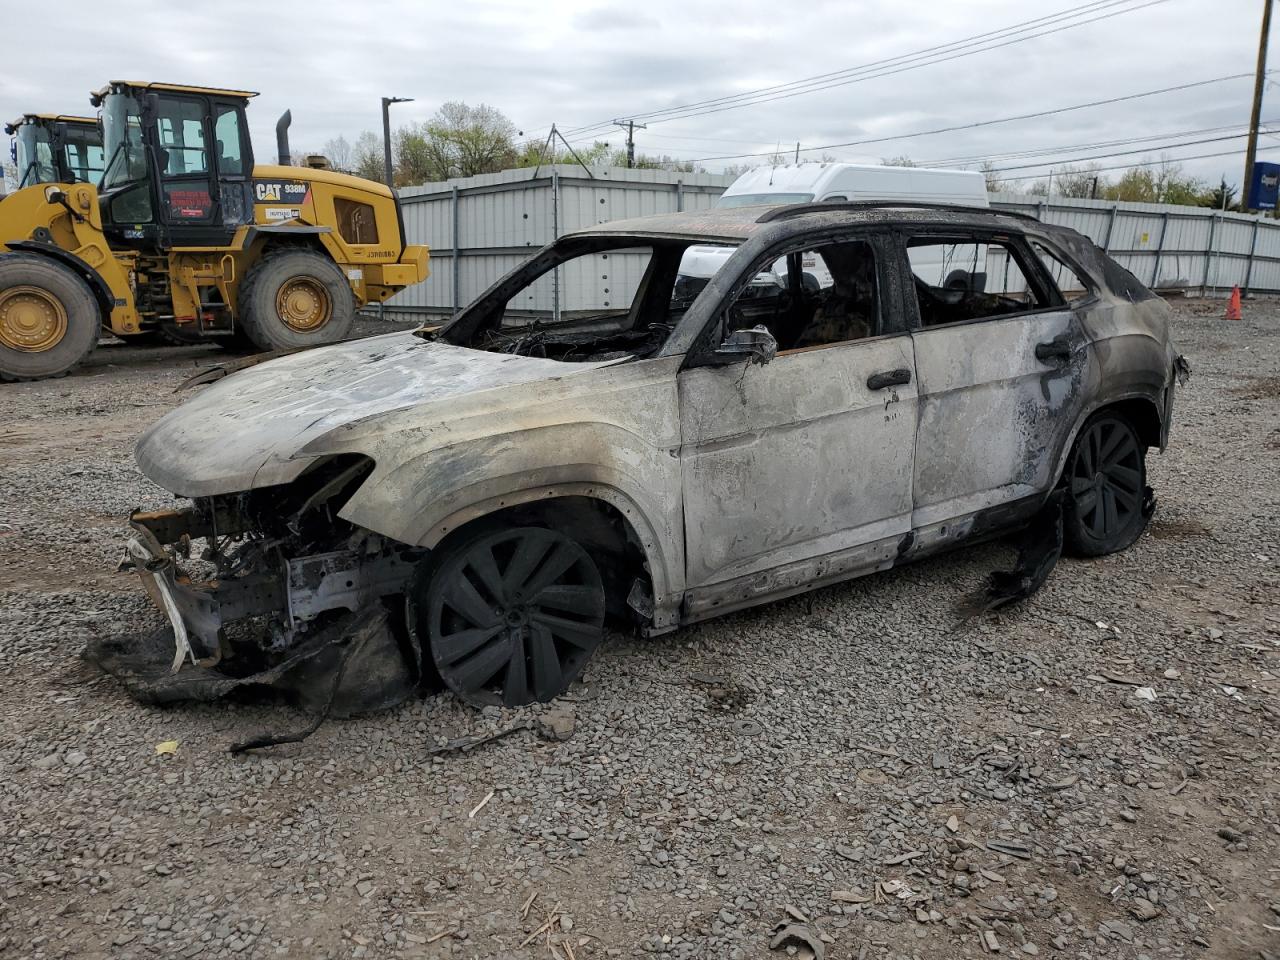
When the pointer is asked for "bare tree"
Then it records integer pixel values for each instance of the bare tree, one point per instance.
(367, 157)
(992, 176)
(339, 152)
(1079, 181)
(899, 161)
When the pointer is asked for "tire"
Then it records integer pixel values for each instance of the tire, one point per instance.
(49, 318)
(509, 615)
(295, 298)
(1106, 482)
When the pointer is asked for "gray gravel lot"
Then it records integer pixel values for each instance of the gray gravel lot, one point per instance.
(907, 788)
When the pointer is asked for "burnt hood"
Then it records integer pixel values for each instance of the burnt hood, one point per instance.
(247, 430)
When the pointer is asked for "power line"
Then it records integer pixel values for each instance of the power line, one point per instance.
(969, 46)
(986, 123)
(1064, 148)
(1122, 153)
(839, 74)
(1130, 166)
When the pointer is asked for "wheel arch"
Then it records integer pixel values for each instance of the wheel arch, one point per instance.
(1142, 410)
(98, 286)
(565, 503)
(604, 521)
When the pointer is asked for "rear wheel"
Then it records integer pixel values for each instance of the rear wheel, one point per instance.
(1106, 487)
(511, 616)
(49, 319)
(296, 298)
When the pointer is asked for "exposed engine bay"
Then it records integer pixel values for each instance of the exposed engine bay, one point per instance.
(270, 587)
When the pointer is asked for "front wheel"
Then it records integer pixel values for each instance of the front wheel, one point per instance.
(510, 615)
(296, 298)
(1106, 486)
(49, 319)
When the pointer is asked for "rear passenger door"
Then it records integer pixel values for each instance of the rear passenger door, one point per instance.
(999, 361)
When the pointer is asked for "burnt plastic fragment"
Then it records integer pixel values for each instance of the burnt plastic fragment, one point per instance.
(1039, 546)
(356, 664)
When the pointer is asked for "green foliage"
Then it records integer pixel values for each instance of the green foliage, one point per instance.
(1163, 182)
(1222, 197)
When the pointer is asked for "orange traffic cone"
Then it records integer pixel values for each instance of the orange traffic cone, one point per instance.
(1233, 306)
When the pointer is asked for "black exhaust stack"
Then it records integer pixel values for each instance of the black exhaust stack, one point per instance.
(282, 138)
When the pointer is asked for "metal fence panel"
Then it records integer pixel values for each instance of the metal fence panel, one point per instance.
(479, 228)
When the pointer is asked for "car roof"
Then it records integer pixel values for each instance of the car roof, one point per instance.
(736, 224)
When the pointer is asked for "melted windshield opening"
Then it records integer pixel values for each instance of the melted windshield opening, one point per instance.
(591, 299)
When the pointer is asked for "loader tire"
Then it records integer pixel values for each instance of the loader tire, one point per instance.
(296, 298)
(49, 319)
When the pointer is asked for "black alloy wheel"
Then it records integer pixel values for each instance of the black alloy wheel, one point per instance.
(1107, 482)
(512, 616)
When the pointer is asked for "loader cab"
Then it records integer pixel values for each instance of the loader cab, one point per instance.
(53, 148)
(179, 164)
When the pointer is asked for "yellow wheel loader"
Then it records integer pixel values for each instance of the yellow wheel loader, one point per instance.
(183, 232)
(55, 148)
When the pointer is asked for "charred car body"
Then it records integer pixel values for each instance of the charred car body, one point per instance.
(857, 387)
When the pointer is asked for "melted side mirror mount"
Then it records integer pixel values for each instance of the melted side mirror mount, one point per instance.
(755, 345)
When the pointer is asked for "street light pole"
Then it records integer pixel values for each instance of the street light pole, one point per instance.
(386, 131)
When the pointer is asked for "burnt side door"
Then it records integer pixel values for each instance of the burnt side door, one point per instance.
(1000, 357)
(798, 470)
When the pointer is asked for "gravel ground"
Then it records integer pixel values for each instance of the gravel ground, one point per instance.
(905, 788)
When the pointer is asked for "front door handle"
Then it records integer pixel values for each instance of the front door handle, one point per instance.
(1059, 348)
(889, 378)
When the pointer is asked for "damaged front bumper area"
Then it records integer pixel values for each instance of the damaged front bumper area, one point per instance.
(270, 588)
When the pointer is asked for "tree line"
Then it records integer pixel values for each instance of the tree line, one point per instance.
(461, 140)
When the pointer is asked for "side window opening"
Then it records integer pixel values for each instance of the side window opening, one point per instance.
(1070, 283)
(961, 279)
(816, 297)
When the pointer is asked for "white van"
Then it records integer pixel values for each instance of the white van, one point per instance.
(805, 182)
(855, 182)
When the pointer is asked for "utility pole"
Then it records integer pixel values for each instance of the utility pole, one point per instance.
(630, 127)
(797, 152)
(1259, 82)
(386, 131)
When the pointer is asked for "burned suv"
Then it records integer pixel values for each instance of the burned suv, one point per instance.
(601, 435)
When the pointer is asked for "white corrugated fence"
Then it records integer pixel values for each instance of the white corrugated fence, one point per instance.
(479, 228)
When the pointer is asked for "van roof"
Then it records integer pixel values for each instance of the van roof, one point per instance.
(736, 224)
(817, 178)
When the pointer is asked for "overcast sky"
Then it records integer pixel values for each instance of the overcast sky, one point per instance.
(576, 63)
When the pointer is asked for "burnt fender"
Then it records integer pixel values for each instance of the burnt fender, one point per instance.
(101, 290)
(1157, 407)
(425, 497)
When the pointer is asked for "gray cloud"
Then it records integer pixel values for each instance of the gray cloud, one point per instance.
(578, 63)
